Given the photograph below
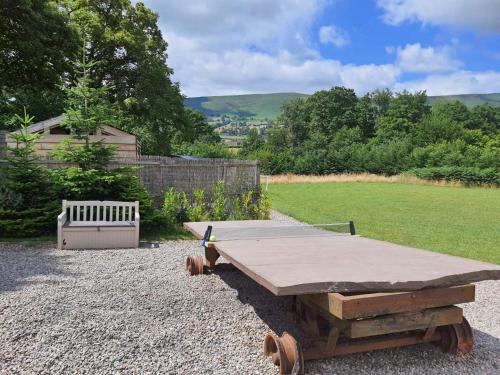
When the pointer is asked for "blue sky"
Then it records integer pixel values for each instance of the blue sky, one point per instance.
(225, 47)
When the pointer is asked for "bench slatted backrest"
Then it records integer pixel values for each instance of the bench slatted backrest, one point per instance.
(109, 211)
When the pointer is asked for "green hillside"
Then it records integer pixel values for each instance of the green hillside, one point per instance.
(267, 106)
(468, 99)
(255, 106)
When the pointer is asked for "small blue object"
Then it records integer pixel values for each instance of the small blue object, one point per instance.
(203, 243)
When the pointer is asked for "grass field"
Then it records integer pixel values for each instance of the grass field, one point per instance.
(452, 220)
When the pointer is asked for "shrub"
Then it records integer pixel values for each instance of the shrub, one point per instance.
(467, 175)
(197, 210)
(250, 205)
(219, 204)
(172, 206)
(27, 197)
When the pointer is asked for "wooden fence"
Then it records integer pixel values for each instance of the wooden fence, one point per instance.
(159, 173)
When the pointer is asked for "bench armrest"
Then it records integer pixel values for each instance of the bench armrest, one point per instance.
(61, 219)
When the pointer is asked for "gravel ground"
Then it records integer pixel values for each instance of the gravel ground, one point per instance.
(136, 311)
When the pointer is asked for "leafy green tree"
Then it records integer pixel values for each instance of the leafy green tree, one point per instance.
(125, 38)
(486, 118)
(366, 115)
(455, 111)
(381, 99)
(403, 113)
(294, 119)
(278, 138)
(197, 128)
(36, 43)
(253, 142)
(436, 127)
(330, 110)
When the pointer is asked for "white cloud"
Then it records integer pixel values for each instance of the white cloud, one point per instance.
(241, 72)
(462, 82)
(225, 24)
(334, 35)
(225, 47)
(417, 59)
(481, 15)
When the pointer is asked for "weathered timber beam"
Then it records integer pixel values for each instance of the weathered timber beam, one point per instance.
(374, 304)
(394, 323)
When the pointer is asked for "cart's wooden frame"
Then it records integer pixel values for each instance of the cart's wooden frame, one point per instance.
(335, 324)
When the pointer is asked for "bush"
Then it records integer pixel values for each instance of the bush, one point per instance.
(27, 196)
(197, 210)
(219, 204)
(177, 208)
(273, 162)
(467, 175)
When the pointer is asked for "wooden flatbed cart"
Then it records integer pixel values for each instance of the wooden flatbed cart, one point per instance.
(336, 324)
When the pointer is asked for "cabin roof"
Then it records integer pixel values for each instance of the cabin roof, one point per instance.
(56, 121)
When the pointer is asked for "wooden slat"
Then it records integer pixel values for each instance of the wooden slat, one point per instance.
(374, 304)
(382, 325)
(92, 212)
(130, 214)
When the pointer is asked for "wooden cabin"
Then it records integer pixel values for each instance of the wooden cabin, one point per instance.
(53, 133)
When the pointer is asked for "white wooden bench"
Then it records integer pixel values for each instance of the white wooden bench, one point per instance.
(98, 225)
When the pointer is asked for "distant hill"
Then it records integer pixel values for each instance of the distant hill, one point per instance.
(468, 99)
(256, 106)
(234, 115)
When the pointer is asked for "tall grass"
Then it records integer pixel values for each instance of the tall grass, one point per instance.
(290, 178)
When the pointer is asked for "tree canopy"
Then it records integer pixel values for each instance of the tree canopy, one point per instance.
(38, 39)
(335, 131)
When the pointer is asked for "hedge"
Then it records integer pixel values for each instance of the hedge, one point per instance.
(467, 175)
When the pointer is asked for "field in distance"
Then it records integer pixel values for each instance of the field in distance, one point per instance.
(452, 220)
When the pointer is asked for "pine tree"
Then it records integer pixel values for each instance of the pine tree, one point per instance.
(87, 111)
(28, 203)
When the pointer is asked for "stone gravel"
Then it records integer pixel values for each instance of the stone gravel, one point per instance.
(136, 311)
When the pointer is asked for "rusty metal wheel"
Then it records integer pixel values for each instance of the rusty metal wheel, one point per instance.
(285, 352)
(456, 338)
(194, 265)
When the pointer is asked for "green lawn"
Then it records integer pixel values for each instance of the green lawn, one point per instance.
(451, 220)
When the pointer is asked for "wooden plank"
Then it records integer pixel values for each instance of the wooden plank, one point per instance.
(372, 343)
(382, 325)
(374, 304)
